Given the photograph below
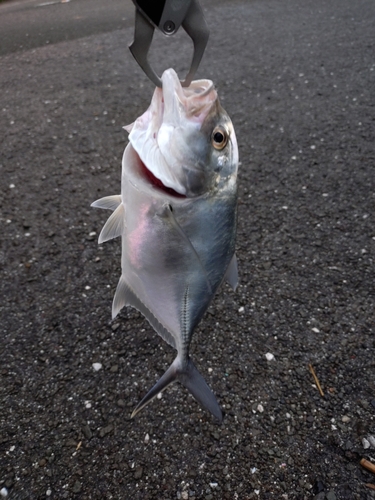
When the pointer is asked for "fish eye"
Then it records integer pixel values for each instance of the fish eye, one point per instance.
(219, 138)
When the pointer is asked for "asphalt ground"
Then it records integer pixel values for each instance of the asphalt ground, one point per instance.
(298, 80)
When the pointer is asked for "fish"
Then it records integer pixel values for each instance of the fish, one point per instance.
(177, 218)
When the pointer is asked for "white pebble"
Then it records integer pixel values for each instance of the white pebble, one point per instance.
(316, 330)
(365, 443)
(11, 186)
(147, 438)
(97, 366)
(88, 405)
(260, 408)
(345, 419)
(241, 309)
(270, 356)
(4, 492)
(372, 440)
(160, 395)
(48, 492)
(184, 495)
(312, 146)
(213, 485)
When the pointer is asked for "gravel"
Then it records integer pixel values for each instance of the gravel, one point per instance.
(297, 79)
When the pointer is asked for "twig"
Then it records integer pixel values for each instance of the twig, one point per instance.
(316, 380)
(368, 465)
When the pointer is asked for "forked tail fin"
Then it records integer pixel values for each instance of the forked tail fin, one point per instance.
(189, 376)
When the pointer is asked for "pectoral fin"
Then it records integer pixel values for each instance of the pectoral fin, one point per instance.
(231, 274)
(108, 202)
(114, 226)
(169, 213)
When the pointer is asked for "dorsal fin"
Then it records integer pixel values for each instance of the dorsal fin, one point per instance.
(114, 226)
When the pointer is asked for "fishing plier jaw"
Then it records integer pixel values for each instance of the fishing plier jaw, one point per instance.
(168, 16)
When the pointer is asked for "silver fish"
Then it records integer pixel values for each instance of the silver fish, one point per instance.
(177, 218)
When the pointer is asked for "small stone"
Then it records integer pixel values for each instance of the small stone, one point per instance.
(77, 487)
(184, 495)
(87, 431)
(106, 430)
(260, 408)
(147, 438)
(4, 492)
(320, 496)
(97, 366)
(138, 472)
(365, 443)
(121, 403)
(345, 419)
(270, 356)
(371, 439)
(331, 495)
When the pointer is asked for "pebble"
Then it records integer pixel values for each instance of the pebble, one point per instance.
(97, 366)
(138, 472)
(4, 492)
(331, 495)
(270, 356)
(345, 419)
(77, 487)
(365, 443)
(106, 430)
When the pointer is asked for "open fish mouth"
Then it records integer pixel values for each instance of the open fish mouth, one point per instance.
(153, 181)
(166, 136)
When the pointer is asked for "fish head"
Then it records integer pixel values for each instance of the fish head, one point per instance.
(185, 138)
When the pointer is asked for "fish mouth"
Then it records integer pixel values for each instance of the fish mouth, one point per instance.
(193, 102)
(152, 180)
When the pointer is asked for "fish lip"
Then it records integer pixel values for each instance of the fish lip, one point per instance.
(190, 102)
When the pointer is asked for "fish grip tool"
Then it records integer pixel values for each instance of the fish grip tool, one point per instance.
(168, 16)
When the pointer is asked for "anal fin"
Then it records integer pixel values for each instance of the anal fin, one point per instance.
(125, 296)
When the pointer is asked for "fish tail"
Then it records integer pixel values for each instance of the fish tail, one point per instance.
(188, 375)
